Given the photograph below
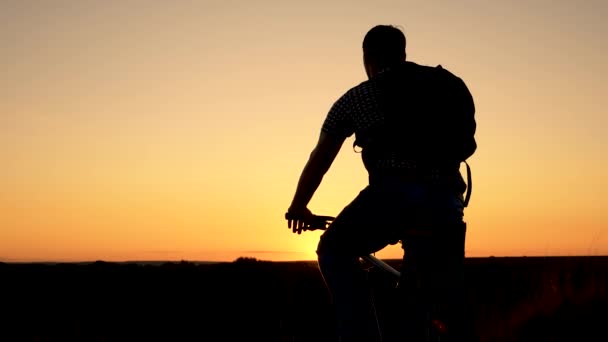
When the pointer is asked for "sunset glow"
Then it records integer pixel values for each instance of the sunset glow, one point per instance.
(150, 130)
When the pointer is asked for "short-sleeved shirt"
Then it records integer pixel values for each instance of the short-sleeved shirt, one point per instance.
(357, 111)
(354, 111)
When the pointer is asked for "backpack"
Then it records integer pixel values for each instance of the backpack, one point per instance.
(428, 119)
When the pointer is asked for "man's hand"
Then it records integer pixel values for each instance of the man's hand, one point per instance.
(298, 219)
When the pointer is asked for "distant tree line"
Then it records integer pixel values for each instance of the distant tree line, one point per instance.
(523, 299)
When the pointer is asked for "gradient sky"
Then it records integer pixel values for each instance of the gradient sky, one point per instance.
(168, 130)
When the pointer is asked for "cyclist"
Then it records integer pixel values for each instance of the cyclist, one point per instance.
(414, 125)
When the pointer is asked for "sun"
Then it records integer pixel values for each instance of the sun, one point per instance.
(307, 245)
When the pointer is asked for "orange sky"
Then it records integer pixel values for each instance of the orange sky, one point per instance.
(156, 130)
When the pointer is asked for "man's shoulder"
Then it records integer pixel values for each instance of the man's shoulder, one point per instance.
(447, 73)
(360, 90)
(431, 69)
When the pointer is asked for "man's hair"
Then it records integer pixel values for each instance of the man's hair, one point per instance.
(384, 45)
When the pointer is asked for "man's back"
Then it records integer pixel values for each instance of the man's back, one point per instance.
(409, 118)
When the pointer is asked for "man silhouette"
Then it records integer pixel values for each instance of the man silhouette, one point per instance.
(415, 126)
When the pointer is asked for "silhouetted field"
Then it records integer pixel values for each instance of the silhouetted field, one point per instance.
(512, 299)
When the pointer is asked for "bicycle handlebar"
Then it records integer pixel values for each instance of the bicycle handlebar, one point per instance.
(317, 222)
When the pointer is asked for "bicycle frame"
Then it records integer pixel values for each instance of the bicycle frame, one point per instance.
(381, 265)
(322, 222)
(436, 327)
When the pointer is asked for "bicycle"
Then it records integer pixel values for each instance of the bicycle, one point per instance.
(436, 329)
(320, 222)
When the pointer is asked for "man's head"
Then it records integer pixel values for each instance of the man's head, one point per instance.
(383, 47)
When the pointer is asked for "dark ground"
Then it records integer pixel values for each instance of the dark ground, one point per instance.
(513, 299)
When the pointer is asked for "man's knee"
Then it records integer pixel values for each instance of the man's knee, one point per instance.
(322, 247)
(334, 262)
(329, 244)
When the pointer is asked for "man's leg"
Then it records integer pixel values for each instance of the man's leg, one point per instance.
(432, 285)
(355, 232)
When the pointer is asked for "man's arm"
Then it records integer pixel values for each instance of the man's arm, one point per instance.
(321, 158)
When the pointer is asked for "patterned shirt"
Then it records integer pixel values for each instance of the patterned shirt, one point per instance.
(356, 110)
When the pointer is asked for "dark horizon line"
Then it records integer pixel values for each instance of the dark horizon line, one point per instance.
(207, 262)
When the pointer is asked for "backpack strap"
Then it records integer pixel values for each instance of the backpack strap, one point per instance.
(469, 185)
